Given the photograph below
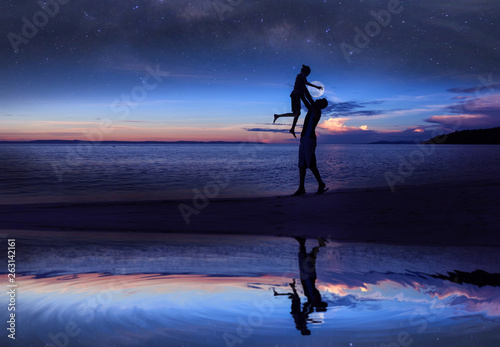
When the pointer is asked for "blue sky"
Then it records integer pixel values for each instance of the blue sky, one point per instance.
(219, 70)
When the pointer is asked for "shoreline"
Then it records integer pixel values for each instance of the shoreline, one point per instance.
(466, 214)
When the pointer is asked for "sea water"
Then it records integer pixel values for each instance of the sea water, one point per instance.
(58, 173)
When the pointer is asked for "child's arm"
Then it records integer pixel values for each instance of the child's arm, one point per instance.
(312, 85)
(276, 293)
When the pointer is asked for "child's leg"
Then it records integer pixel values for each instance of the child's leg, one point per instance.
(296, 117)
(290, 114)
(307, 104)
(295, 108)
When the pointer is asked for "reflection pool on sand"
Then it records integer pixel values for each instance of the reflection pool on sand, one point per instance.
(193, 290)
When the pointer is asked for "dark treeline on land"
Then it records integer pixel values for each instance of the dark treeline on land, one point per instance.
(469, 137)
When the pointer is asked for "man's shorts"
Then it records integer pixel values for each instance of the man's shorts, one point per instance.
(307, 156)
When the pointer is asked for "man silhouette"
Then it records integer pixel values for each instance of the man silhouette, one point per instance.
(307, 148)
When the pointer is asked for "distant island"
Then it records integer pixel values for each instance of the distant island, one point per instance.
(72, 142)
(468, 137)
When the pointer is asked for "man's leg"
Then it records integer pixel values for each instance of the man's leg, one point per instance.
(314, 169)
(302, 178)
(302, 244)
(316, 174)
(321, 184)
(302, 170)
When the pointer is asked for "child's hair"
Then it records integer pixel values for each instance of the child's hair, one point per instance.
(305, 69)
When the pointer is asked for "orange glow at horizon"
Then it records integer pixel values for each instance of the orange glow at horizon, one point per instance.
(93, 132)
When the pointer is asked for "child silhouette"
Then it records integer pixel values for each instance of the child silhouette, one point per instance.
(299, 93)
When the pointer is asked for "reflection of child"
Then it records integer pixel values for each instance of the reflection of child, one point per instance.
(299, 92)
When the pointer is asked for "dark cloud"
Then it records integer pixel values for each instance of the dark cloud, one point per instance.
(488, 105)
(465, 122)
(480, 110)
(354, 108)
(480, 88)
(477, 112)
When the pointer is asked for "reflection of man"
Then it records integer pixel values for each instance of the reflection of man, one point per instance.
(307, 269)
(307, 156)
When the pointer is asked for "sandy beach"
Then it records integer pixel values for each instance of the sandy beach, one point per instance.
(466, 214)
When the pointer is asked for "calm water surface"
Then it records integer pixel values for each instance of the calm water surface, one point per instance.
(142, 172)
(174, 290)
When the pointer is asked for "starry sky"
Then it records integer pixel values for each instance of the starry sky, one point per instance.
(205, 70)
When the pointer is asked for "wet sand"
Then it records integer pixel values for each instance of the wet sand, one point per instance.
(457, 215)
